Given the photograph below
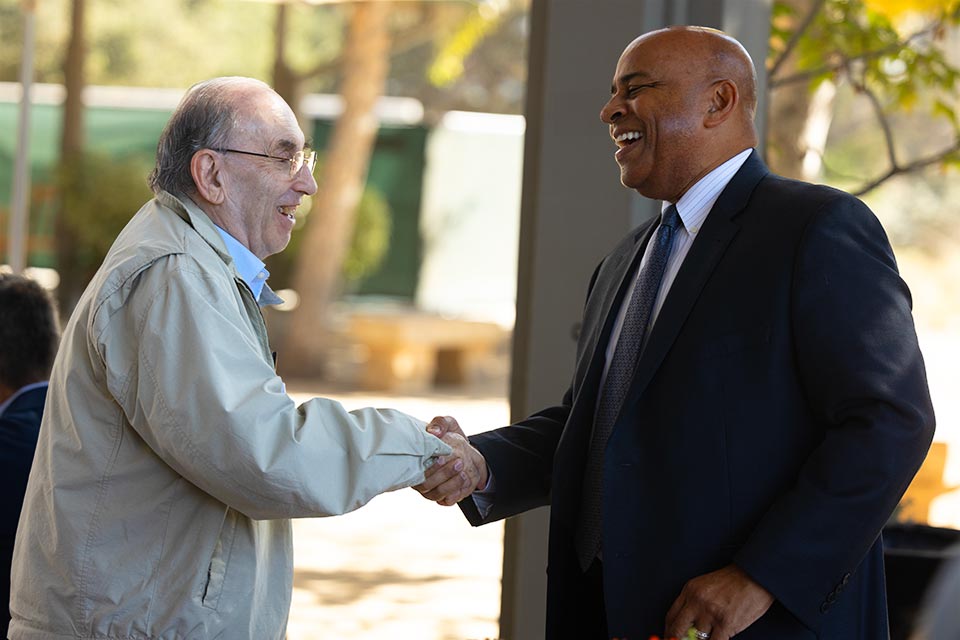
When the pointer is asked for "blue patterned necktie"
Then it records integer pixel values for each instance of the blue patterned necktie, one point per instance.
(617, 383)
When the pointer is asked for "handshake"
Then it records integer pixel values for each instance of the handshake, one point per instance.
(453, 477)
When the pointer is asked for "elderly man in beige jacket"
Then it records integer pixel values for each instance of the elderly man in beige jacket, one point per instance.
(170, 459)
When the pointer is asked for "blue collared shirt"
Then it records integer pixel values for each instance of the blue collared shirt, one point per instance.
(250, 267)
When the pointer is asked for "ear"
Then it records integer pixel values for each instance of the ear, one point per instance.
(724, 99)
(205, 167)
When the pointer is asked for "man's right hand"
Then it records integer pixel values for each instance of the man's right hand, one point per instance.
(456, 476)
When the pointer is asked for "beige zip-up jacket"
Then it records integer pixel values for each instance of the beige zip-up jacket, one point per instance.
(171, 460)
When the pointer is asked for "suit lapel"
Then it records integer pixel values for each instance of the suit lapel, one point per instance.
(706, 251)
(607, 291)
(612, 283)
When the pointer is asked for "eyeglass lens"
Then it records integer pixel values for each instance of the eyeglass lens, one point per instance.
(306, 157)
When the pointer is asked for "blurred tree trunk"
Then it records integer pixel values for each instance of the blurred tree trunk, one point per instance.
(330, 225)
(788, 107)
(287, 82)
(72, 278)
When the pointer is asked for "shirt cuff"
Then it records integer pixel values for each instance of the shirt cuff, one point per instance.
(484, 499)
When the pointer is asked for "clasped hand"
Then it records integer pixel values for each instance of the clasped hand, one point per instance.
(453, 477)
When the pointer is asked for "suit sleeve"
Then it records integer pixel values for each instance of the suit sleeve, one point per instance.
(520, 456)
(861, 370)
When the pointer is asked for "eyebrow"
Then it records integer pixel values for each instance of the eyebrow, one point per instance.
(627, 77)
(288, 145)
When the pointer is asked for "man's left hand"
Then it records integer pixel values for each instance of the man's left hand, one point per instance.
(722, 603)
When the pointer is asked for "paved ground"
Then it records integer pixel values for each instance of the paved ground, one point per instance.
(400, 568)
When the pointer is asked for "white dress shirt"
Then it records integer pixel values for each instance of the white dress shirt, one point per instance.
(693, 207)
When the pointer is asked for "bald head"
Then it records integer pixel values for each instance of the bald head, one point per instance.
(712, 53)
(682, 103)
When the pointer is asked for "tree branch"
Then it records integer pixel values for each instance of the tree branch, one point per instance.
(805, 76)
(861, 87)
(909, 167)
(795, 38)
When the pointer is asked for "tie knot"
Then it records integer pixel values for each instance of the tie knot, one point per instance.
(670, 217)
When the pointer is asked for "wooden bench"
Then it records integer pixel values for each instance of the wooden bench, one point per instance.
(404, 349)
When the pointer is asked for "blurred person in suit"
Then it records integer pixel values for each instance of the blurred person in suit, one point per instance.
(29, 333)
(749, 401)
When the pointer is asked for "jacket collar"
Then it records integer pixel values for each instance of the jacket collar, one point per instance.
(193, 215)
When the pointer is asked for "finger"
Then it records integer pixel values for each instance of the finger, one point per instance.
(438, 463)
(441, 425)
(471, 477)
(443, 484)
(466, 489)
(440, 474)
(452, 490)
(673, 621)
(702, 631)
(682, 617)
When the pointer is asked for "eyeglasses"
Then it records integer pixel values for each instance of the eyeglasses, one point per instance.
(305, 157)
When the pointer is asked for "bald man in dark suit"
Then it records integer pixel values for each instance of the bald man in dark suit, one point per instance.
(771, 400)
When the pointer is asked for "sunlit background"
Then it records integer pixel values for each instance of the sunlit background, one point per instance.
(411, 302)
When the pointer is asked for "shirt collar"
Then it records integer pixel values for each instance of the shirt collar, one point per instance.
(19, 392)
(695, 204)
(249, 267)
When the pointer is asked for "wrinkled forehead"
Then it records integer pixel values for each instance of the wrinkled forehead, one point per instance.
(266, 117)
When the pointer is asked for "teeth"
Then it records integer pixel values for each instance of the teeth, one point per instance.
(629, 135)
(287, 211)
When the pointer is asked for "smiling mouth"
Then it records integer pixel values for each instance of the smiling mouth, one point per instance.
(288, 211)
(628, 138)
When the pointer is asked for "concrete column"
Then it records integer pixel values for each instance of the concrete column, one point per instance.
(573, 211)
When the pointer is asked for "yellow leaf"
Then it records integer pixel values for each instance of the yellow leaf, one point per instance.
(894, 9)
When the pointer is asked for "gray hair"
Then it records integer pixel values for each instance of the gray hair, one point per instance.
(204, 119)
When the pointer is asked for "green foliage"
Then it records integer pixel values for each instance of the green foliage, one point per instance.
(168, 43)
(371, 236)
(51, 28)
(848, 40)
(100, 194)
(894, 53)
(448, 65)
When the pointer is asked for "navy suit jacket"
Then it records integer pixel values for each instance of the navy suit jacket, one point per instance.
(19, 427)
(776, 416)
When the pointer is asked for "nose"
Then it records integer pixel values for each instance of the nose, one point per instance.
(305, 182)
(612, 110)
